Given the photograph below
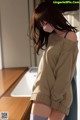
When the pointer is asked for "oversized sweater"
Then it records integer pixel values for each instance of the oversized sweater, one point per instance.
(56, 68)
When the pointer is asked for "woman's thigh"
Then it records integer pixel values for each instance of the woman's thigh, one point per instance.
(56, 115)
(40, 109)
(45, 111)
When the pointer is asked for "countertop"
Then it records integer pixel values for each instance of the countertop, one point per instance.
(8, 77)
(17, 107)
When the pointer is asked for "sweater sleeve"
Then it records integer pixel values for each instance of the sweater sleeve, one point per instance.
(64, 71)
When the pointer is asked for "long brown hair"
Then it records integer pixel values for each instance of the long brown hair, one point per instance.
(46, 11)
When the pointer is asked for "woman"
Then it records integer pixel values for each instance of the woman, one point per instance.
(52, 92)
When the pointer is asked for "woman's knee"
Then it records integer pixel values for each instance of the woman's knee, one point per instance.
(40, 109)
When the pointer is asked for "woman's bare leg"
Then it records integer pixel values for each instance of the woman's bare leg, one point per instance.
(45, 111)
(40, 109)
(56, 115)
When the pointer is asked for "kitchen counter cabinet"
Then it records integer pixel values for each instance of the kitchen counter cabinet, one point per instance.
(15, 106)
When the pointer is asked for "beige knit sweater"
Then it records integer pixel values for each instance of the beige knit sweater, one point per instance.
(53, 83)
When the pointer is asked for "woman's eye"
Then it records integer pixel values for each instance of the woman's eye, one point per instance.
(45, 23)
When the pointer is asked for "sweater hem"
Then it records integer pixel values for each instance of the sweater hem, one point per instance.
(60, 107)
(45, 99)
(42, 98)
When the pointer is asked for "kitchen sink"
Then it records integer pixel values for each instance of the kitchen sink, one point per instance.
(24, 87)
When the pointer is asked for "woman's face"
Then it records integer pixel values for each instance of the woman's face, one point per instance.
(46, 26)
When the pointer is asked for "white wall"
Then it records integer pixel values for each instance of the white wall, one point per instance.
(15, 43)
(0, 46)
(0, 55)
